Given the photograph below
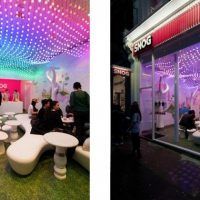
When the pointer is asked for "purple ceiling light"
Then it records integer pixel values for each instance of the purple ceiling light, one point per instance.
(189, 66)
(35, 31)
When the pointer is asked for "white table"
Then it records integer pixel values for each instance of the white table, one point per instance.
(10, 114)
(67, 120)
(11, 106)
(3, 136)
(62, 141)
(13, 124)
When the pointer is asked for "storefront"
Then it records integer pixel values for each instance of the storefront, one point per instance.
(121, 86)
(166, 78)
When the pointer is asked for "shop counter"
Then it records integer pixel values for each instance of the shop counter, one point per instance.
(11, 106)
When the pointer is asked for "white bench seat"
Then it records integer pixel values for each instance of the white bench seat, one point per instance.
(82, 157)
(24, 154)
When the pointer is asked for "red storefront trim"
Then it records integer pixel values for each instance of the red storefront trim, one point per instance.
(182, 23)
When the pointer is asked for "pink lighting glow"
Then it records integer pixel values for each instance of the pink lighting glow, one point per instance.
(35, 31)
(188, 62)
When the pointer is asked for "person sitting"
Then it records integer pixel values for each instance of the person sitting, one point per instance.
(32, 111)
(45, 106)
(53, 118)
(38, 126)
(187, 121)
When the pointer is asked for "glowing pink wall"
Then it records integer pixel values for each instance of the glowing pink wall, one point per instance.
(11, 85)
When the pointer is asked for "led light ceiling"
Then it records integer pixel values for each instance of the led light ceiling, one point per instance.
(189, 66)
(35, 31)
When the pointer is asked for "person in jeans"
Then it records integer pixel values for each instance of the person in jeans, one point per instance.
(135, 128)
(79, 103)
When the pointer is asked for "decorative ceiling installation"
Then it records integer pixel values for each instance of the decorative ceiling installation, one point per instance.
(189, 62)
(33, 32)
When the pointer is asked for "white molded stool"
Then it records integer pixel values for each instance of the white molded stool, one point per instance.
(7, 129)
(3, 136)
(13, 134)
(10, 115)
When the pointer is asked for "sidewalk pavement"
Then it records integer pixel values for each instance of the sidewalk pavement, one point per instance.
(161, 174)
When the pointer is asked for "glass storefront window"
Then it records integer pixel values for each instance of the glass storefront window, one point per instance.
(164, 102)
(172, 96)
(146, 95)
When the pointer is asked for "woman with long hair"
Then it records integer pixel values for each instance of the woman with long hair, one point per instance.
(33, 111)
(136, 118)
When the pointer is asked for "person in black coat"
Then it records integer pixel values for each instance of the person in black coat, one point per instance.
(49, 120)
(53, 117)
(187, 121)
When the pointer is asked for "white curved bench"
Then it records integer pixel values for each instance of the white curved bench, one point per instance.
(24, 154)
(82, 157)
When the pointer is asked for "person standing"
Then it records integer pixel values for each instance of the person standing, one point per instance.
(6, 95)
(15, 95)
(80, 103)
(0, 98)
(136, 118)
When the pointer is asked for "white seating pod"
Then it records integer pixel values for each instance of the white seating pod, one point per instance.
(82, 157)
(24, 154)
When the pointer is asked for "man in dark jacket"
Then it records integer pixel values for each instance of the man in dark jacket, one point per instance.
(187, 121)
(80, 104)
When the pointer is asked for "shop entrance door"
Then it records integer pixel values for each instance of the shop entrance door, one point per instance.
(146, 111)
(119, 91)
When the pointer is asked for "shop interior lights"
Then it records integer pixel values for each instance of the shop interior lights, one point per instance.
(189, 66)
(33, 32)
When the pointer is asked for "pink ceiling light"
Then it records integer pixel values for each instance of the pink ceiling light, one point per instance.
(35, 31)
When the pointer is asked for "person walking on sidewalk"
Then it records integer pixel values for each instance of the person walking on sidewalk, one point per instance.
(136, 118)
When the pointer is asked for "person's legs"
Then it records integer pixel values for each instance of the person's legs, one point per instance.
(134, 143)
(186, 134)
(80, 119)
(138, 146)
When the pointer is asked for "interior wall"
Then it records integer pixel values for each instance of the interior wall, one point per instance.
(11, 85)
(68, 70)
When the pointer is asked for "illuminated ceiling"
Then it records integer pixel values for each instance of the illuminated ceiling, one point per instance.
(189, 62)
(33, 32)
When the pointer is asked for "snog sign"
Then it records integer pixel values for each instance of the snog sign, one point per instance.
(3, 86)
(121, 70)
(142, 44)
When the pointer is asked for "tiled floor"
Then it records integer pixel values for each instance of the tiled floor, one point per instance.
(161, 174)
